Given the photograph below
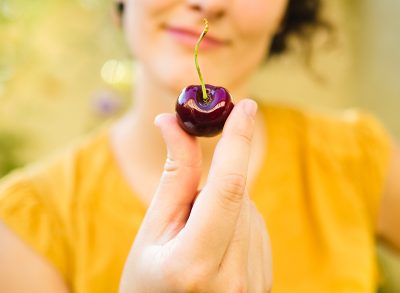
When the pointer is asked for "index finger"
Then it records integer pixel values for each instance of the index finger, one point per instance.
(212, 221)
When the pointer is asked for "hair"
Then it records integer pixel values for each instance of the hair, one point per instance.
(302, 19)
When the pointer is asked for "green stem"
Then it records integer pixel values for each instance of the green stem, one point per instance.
(196, 52)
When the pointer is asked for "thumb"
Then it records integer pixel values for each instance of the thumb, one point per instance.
(171, 205)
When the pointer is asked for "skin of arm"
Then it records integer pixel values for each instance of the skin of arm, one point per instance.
(389, 215)
(23, 270)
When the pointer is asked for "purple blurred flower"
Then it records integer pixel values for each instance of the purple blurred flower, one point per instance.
(106, 103)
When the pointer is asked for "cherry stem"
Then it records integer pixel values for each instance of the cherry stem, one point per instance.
(196, 52)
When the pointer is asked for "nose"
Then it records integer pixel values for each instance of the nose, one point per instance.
(211, 9)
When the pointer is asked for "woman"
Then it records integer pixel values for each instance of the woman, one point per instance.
(316, 180)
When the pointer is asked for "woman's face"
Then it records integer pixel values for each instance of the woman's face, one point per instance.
(162, 35)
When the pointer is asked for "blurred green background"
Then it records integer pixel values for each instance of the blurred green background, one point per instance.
(65, 69)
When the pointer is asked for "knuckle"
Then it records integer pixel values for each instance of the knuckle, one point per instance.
(190, 162)
(232, 188)
(171, 165)
(193, 284)
(188, 278)
(244, 136)
(173, 275)
(239, 285)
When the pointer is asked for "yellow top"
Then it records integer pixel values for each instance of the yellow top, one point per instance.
(319, 192)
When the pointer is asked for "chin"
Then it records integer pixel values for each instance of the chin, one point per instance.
(176, 75)
(176, 82)
(175, 69)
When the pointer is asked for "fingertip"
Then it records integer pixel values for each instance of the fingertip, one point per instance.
(170, 129)
(157, 120)
(244, 110)
(163, 119)
(242, 119)
(249, 107)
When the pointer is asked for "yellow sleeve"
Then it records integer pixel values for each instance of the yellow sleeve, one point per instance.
(375, 152)
(30, 216)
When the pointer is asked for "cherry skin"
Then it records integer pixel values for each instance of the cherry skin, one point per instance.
(201, 117)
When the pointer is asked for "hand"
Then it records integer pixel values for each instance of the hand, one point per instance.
(212, 241)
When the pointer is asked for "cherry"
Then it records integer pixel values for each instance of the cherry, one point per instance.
(203, 118)
(203, 109)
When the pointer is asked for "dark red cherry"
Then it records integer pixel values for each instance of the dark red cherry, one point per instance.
(203, 118)
(203, 109)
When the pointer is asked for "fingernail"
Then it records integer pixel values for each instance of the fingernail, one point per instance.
(250, 108)
(156, 120)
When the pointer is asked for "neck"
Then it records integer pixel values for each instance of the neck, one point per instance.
(137, 133)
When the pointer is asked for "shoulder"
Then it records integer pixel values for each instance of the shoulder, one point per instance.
(344, 133)
(54, 180)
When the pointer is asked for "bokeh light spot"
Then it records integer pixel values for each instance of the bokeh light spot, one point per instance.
(114, 72)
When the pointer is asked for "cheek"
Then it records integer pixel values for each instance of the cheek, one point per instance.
(259, 17)
(256, 23)
(137, 23)
(142, 20)
(154, 6)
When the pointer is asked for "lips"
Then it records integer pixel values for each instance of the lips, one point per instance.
(189, 37)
